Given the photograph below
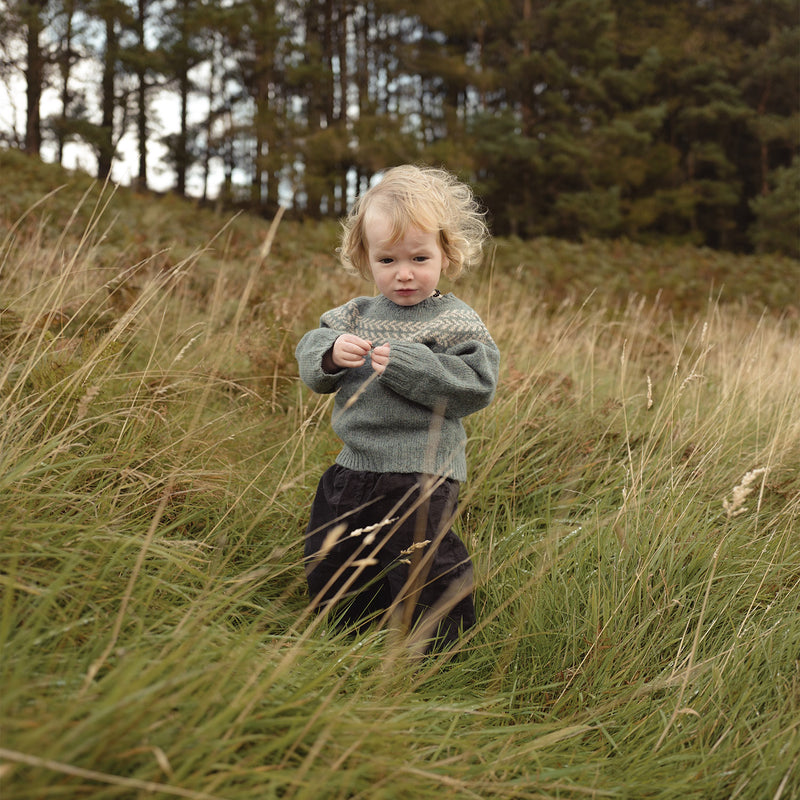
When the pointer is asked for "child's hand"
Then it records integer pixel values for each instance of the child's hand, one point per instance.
(380, 358)
(350, 351)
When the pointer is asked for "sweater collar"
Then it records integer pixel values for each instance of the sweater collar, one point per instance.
(429, 302)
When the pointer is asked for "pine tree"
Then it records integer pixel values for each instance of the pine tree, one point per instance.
(24, 23)
(777, 213)
(184, 44)
(67, 33)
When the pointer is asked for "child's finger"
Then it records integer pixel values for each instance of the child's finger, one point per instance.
(360, 345)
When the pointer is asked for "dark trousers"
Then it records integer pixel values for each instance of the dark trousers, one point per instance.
(360, 545)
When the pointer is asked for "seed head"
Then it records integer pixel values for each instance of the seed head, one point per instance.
(735, 506)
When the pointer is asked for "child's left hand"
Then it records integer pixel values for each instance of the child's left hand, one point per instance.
(380, 358)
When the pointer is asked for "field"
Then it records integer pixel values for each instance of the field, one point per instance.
(633, 512)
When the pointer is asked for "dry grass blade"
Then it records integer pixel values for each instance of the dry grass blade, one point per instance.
(637, 632)
(101, 777)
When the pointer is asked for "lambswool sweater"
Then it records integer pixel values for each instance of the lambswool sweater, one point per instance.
(442, 359)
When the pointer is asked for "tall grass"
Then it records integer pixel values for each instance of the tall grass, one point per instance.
(633, 513)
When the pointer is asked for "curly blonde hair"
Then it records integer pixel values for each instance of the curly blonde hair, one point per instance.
(425, 198)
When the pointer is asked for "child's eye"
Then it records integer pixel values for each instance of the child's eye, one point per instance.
(420, 258)
(385, 260)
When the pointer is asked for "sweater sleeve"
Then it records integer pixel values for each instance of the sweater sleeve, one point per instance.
(309, 353)
(463, 378)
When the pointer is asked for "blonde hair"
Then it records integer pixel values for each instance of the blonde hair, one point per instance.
(421, 197)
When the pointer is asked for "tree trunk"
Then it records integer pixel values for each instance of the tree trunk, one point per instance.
(65, 68)
(34, 78)
(209, 124)
(181, 146)
(105, 144)
(141, 96)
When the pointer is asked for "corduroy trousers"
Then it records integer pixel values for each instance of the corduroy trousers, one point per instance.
(360, 548)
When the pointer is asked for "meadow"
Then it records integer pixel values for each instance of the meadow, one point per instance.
(633, 512)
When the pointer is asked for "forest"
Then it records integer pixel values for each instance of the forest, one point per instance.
(633, 119)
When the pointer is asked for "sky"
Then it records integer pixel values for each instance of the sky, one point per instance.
(79, 156)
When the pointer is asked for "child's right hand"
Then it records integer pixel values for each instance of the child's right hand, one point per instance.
(350, 350)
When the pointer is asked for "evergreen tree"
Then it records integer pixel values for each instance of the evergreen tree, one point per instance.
(184, 42)
(546, 103)
(770, 84)
(777, 213)
(580, 118)
(140, 61)
(22, 26)
(114, 22)
(718, 63)
(68, 30)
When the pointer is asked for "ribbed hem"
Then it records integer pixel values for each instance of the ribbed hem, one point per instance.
(362, 461)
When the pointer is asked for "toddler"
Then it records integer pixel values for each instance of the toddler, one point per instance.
(406, 365)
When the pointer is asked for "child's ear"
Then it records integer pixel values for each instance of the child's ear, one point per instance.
(443, 251)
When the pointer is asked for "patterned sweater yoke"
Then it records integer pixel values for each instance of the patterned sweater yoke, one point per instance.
(378, 320)
(442, 361)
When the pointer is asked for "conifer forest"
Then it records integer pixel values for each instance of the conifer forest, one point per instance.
(580, 118)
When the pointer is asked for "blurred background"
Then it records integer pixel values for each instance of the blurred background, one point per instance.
(640, 119)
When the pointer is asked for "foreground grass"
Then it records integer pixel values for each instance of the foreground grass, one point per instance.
(633, 512)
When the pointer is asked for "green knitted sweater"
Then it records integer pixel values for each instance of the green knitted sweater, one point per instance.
(442, 359)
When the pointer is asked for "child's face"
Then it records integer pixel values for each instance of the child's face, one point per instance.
(407, 270)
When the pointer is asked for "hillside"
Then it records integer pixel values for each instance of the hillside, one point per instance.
(632, 512)
(163, 230)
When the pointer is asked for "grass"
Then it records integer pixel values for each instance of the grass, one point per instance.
(633, 513)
